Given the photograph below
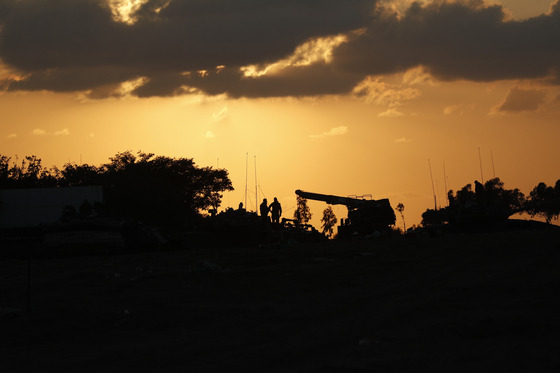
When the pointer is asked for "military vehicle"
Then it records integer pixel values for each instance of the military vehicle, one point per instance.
(366, 216)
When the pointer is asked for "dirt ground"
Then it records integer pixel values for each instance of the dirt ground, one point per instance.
(462, 303)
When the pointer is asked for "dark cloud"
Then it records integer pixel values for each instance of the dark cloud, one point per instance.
(314, 80)
(53, 40)
(75, 45)
(519, 100)
(73, 79)
(460, 40)
(185, 35)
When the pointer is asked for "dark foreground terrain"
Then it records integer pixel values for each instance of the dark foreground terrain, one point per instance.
(461, 303)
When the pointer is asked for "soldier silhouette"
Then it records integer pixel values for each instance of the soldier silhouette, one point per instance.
(264, 210)
(276, 211)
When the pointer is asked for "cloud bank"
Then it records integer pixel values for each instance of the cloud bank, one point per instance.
(520, 100)
(253, 48)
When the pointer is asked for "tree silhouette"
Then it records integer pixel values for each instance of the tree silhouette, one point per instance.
(490, 202)
(154, 189)
(544, 201)
(302, 215)
(27, 173)
(76, 175)
(162, 189)
(400, 209)
(329, 220)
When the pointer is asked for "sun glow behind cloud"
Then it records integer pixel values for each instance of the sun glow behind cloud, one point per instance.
(516, 9)
(123, 10)
(8, 75)
(130, 85)
(314, 51)
(374, 90)
(400, 6)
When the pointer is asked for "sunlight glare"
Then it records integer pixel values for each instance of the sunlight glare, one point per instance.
(7, 75)
(130, 85)
(314, 51)
(399, 7)
(123, 10)
(374, 90)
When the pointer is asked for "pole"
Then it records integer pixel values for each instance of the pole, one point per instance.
(480, 160)
(256, 189)
(246, 167)
(493, 169)
(433, 188)
(437, 186)
(445, 184)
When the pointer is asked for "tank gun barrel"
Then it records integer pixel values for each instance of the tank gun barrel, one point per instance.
(334, 200)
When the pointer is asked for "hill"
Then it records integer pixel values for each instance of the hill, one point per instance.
(461, 303)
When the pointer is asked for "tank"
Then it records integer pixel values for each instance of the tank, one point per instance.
(365, 216)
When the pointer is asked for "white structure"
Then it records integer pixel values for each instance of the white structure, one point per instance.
(32, 207)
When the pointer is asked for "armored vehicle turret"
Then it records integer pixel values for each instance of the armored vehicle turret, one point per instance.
(366, 216)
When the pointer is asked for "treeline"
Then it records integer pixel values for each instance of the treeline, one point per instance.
(491, 202)
(154, 189)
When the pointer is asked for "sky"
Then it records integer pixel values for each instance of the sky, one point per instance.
(344, 97)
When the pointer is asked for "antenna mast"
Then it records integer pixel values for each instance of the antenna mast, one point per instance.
(256, 189)
(480, 161)
(445, 184)
(433, 189)
(493, 169)
(437, 187)
(246, 166)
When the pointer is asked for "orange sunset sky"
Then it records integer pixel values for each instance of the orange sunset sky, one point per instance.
(330, 96)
